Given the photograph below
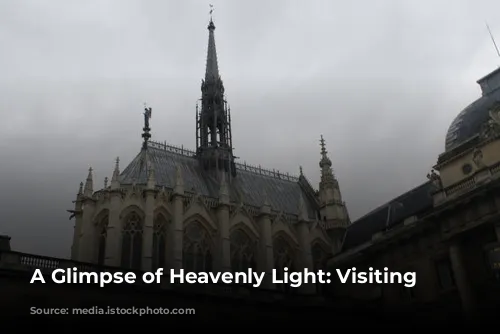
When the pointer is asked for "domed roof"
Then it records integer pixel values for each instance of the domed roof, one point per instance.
(469, 122)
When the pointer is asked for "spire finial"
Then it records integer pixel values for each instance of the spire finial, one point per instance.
(325, 162)
(105, 182)
(323, 146)
(116, 174)
(301, 171)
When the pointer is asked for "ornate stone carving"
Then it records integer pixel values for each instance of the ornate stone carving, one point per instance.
(492, 127)
(435, 179)
(477, 158)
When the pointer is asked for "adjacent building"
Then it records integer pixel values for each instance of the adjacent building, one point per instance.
(446, 230)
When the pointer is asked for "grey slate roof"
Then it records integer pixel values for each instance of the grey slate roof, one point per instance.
(248, 187)
(413, 202)
(468, 122)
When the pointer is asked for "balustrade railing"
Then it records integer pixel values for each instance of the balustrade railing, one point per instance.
(242, 166)
(29, 262)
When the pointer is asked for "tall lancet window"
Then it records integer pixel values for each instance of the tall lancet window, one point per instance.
(283, 258)
(132, 241)
(320, 256)
(159, 242)
(102, 233)
(243, 254)
(197, 252)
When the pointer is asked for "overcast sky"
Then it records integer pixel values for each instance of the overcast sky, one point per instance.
(381, 80)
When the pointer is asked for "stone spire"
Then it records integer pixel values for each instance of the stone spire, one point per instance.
(333, 211)
(80, 189)
(214, 147)
(212, 68)
(89, 184)
(327, 177)
(115, 180)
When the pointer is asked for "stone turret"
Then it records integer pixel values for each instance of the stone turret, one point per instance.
(332, 209)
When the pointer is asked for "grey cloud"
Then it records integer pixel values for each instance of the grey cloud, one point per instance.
(381, 80)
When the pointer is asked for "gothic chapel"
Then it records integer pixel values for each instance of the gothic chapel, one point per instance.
(202, 211)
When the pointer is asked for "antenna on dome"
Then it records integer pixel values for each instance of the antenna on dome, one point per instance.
(493, 39)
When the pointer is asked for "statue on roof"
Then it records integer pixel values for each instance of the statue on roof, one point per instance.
(435, 179)
(147, 116)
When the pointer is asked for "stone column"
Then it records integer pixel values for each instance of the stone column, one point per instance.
(306, 260)
(114, 232)
(77, 231)
(148, 230)
(178, 231)
(224, 247)
(224, 264)
(266, 262)
(461, 279)
(178, 221)
(87, 238)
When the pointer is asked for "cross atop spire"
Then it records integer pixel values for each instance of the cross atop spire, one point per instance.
(211, 11)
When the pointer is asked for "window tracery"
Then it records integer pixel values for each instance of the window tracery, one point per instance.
(243, 251)
(197, 250)
(159, 242)
(320, 256)
(283, 258)
(132, 241)
(102, 233)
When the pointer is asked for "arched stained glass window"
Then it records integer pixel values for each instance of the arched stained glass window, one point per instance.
(197, 248)
(132, 241)
(159, 242)
(320, 256)
(283, 258)
(102, 234)
(243, 251)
